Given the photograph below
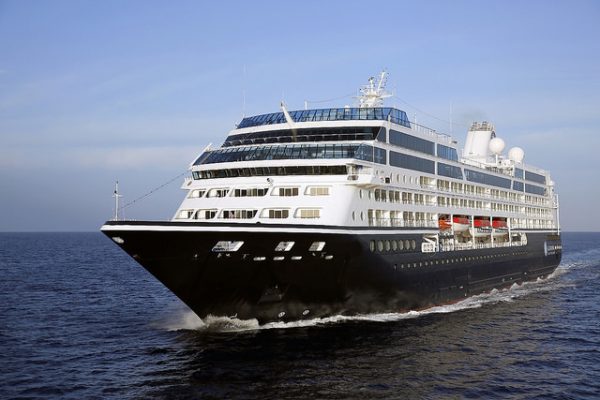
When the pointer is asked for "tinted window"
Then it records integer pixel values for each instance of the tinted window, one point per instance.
(411, 142)
(449, 170)
(412, 162)
(487, 179)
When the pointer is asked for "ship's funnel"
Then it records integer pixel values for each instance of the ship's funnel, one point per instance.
(477, 146)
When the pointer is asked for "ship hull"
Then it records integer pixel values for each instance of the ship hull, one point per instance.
(356, 271)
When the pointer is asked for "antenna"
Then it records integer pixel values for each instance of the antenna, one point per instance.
(116, 195)
(372, 94)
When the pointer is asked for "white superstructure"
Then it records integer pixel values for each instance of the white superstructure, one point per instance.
(370, 167)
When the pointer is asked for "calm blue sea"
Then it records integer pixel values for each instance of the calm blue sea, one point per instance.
(80, 320)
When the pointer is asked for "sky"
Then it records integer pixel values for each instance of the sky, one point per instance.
(97, 91)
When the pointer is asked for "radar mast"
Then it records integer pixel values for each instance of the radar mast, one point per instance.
(372, 94)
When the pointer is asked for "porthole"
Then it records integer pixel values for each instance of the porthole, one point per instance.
(413, 244)
(379, 245)
(400, 245)
(407, 244)
(394, 245)
(387, 245)
(353, 215)
(362, 216)
(360, 193)
(372, 245)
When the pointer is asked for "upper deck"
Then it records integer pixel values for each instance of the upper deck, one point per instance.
(330, 114)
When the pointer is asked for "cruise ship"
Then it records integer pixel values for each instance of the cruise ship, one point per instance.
(345, 211)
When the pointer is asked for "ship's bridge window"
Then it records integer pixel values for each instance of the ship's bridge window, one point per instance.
(217, 192)
(308, 213)
(196, 193)
(285, 191)
(250, 192)
(185, 214)
(205, 214)
(275, 213)
(318, 191)
(238, 214)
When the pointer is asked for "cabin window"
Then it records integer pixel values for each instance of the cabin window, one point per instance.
(318, 191)
(185, 214)
(225, 246)
(308, 213)
(196, 193)
(218, 192)
(238, 214)
(284, 246)
(317, 246)
(205, 214)
(250, 192)
(286, 191)
(276, 213)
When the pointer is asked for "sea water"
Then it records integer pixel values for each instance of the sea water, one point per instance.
(80, 319)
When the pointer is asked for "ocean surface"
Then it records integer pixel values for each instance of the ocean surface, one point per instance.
(79, 319)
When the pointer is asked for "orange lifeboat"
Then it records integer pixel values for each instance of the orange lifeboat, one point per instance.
(460, 223)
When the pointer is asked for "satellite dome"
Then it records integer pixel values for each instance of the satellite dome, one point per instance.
(497, 145)
(516, 154)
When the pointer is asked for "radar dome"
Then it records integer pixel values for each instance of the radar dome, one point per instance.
(516, 154)
(497, 145)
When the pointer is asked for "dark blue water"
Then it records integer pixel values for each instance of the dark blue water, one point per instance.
(80, 319)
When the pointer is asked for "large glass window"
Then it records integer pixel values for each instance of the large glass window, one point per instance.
(285, 152)
(532, 176)
(271, 171)
(450, 171)
(518, 186)
(487, 179)
(518, 173)
(412, 162)
(307, 135)
(330, 114)
(533, 189)
(411, 142)
(446, 152)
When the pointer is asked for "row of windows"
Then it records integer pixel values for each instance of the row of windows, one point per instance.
(271, 213)
(260, 192)
(306, 135)
(487, 179)
(330, 114)
(293, 152)
(392, 245)
(533, 189)
(230, 246)
(271, 171)
(530, 176)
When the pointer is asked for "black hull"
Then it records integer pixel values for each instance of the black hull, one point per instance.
(346, 277)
